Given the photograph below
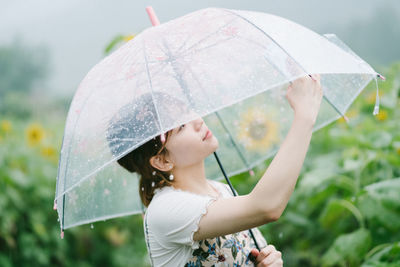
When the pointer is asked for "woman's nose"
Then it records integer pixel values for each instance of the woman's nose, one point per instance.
(198, 123)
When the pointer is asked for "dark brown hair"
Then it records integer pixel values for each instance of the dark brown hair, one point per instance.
(135, 121)
(138, 161)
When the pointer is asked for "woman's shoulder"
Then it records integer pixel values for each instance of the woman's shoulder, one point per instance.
(169, 199)
(224, 189)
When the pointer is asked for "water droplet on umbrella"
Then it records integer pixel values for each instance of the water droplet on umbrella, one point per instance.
(91, 226)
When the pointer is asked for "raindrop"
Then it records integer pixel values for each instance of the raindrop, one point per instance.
(109, 180)
(91, 226)
(280, 235)
(58, 219)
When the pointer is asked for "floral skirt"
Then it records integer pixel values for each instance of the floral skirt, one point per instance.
(229, 250)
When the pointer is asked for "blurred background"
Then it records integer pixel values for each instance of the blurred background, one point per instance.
(345, 210)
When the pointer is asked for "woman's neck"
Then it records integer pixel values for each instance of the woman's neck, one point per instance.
(193, 179)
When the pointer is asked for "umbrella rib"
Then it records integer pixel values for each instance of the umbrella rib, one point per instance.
(233, 141)
(206, 47)
(151, 86)
(269, 61)
(298, 64)
(208, 36)
(223, 124)
(178, 76)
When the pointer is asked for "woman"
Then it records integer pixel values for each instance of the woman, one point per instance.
(193, 221)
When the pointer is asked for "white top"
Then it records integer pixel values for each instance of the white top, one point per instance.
(170, 221)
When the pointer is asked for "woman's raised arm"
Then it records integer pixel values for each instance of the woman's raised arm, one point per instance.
(267, 201)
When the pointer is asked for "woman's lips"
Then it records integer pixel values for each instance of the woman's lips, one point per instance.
(208, 135)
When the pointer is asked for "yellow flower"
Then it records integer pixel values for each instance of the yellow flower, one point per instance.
(116, 237)
(48, 152)
(382, 115)
(398, 150)
(349, 114)
(34, 134)
(257, 131)
(5, 126)
(129, 37)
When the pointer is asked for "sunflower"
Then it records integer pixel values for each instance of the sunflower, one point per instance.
(34, 134)
(257, 131)
(5, 126)
(48, 152)
(382, 115)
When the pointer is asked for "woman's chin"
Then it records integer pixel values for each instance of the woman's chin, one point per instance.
(215, 144)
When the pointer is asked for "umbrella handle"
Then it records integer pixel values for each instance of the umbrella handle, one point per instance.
(152, 15)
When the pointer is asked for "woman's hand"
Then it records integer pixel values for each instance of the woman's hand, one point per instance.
(304, 96)
(267, 257)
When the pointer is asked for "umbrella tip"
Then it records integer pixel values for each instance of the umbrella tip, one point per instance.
(55, 205)
(251, 172)
(382, 77)
(62, 234)
(346, 118)
(376, 110)
(152, 15)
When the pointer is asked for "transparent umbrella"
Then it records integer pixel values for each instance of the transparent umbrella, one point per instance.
(230, 67)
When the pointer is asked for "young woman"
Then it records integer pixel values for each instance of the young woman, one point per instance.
(193, 221)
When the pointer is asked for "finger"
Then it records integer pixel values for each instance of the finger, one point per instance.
(277, 263)
(253, 254)
(316, 76)
(271, 258)
(265, 252)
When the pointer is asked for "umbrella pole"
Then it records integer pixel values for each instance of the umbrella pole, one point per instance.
(235, 194)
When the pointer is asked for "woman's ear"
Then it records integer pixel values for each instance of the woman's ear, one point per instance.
(159, 162)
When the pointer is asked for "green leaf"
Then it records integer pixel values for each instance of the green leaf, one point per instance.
(336, 209)
(387, 256)
(382, 201)
(118, 39)
(234, 251)
(348, 249)
(379, 139)
(297, 219)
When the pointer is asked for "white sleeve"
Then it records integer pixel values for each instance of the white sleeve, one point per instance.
(175, 216)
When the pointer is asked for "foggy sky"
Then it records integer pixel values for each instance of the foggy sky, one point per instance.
(76, 32)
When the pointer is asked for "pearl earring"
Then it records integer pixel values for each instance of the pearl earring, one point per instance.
(171, 177)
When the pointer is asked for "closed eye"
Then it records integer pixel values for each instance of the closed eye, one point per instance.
(180, 127)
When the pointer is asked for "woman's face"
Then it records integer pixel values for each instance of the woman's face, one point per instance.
(190, 143)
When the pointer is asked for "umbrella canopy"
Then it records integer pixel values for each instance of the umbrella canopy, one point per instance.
(230, 67)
